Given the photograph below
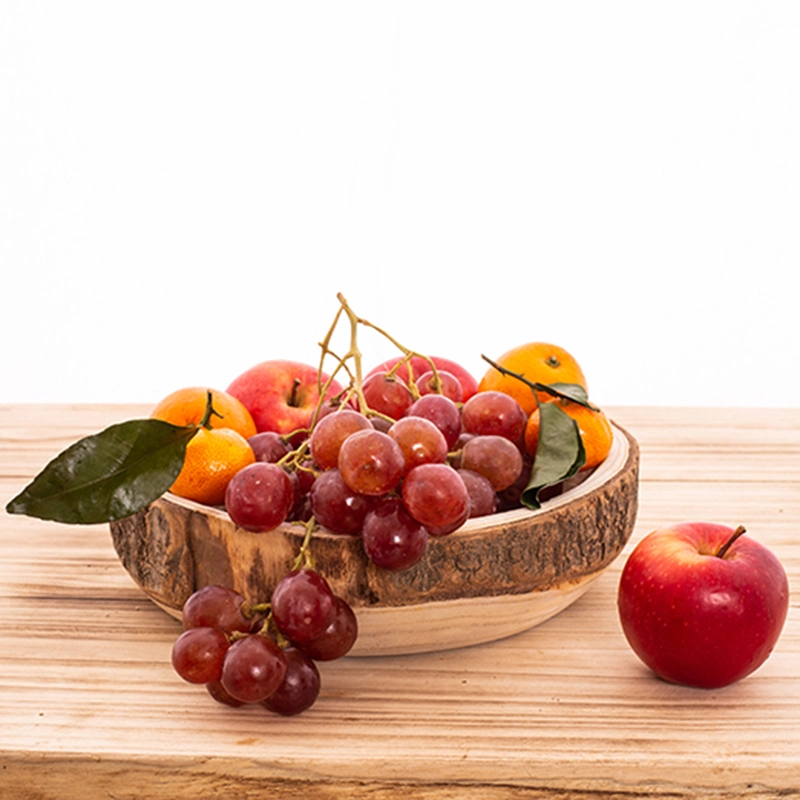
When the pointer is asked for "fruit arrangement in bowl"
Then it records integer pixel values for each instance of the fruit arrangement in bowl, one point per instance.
(305, 513)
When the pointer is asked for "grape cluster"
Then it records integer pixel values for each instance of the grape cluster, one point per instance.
(391, 465)
(267, 654)
(409, 468)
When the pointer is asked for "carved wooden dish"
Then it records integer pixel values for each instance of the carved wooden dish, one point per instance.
(494, 577)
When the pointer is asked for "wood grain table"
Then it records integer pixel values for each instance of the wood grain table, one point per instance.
(90, 707)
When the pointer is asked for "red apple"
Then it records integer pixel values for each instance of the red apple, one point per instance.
(701, 605)
(469, 386)
(280, 395)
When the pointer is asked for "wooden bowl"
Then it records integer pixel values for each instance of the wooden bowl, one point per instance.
(494, 577)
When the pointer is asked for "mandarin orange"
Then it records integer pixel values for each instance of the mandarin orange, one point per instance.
(538, 362)
(593, 426)
(213, 457)
(188, 407)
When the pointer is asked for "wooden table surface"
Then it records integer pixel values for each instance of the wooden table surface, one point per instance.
(90, 707)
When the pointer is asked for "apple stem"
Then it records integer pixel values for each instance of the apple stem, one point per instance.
(721, 553)
(293, 397)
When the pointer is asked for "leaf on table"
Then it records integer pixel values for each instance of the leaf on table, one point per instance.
(559, 452)
(109, 475)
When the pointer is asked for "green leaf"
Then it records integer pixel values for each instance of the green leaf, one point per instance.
(574, 391)
(568, 391)
(559, 452)
(109, 475)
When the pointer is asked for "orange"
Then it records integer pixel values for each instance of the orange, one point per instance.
(593, 426)
(188, 407)
(538, 362)
(218, 450)
(213, 457)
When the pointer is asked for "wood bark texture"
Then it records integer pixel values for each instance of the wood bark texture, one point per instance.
(175, 547)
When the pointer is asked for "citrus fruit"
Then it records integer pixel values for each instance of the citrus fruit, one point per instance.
(188, 407)
(213, 457)
(538, 362)
(594, 427)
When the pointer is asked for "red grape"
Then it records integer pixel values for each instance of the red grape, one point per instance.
(494, 414)
(510, 498)
(329, 433)
(338, 638)
(435, 495)
(392, 538)
(337, 507)
(259, 497)
(387, 395)
(299, 688)
(381, 424)
(371, 462)
(218, 692)
(253, 668)
(302, 605)
(268, 446)
(300, 507)
(198, 653)
(216, 607)
(442, 412)
(450, 385)
(454, 525)
(494, 457)
(420, 440)
(482, 496)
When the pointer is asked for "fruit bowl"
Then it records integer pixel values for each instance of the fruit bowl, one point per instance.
(496, 576)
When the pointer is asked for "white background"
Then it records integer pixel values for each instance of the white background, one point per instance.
(185, 186)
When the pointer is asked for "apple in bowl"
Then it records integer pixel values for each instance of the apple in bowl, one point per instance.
(421, 367)
(280, 395)
(702, 605)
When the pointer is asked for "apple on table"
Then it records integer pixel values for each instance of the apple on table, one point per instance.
(701, 604)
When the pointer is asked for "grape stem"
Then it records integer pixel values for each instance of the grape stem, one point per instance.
(304, 558)
(250, 610)
(353, 353)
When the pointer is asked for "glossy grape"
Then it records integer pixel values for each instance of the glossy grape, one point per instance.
(420, 440)
(336, 506)
(253, 669)
(329, 433)
(299, 688)
(371, 462)
(494, 414)
(511, 497)
(392, 538)
(482, 496)
(268, 446)
(450, 385)
(218, 692)
(198, 653)
(449, 527)
(260, 497)
(494, 457)
(338, 638)
(300, 505)
(302, 605)
(442, 412)
(435, 496)
(216, 607)
(387, 395)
